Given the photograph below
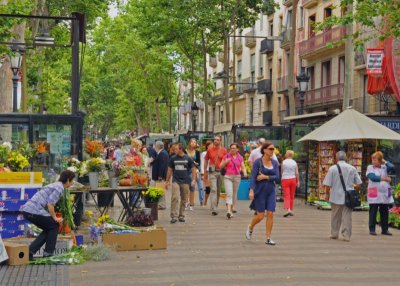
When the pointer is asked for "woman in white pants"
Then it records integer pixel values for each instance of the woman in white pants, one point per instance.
(233, 163)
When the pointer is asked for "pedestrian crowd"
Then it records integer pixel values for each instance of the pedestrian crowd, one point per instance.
(181, 170)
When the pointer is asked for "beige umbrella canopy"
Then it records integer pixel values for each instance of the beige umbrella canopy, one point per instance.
(349, 125)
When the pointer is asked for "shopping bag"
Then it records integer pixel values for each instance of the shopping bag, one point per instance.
(3, 252)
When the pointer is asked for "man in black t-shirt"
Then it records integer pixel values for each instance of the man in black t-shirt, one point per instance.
(179, 168)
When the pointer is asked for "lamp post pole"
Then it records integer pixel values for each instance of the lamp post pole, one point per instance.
(15, 91)
(303, 80)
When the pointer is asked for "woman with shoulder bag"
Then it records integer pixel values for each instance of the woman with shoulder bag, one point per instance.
(379, 192)
(195, 155)
(264, 174)
(233, 163)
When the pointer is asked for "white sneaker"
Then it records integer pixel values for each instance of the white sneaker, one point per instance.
(191, 208)
(248, 233)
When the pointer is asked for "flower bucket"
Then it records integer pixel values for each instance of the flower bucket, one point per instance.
(114, 183)
(94, 180)
(154, 209)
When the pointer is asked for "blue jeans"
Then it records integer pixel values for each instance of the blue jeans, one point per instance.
(200, 187)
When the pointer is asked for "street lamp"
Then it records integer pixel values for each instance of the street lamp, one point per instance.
(16, 59)
(303, 80)
(195, 111)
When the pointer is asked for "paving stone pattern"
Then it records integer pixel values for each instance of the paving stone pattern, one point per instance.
(209, 250)
(34, 275)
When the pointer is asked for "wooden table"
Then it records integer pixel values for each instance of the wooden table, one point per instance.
(130, 198)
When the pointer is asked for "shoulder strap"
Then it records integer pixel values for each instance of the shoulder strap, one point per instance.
(341, 177)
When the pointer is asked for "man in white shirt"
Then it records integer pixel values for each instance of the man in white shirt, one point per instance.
(256, 153)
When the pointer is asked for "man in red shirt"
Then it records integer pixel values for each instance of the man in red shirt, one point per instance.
(212, 162)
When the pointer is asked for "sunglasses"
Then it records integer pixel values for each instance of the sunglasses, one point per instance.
(272, 148)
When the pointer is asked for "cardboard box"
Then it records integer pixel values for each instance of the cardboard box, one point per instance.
(64, 243)
(154, 239)
(18, 254)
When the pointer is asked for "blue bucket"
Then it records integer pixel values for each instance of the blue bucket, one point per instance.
(243, 192)
(79, 239)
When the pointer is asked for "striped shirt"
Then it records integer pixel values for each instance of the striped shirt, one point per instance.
(50, 194)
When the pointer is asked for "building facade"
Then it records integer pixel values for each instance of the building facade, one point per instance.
(259, 70)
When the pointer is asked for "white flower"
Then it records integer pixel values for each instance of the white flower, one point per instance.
(7, 144)
(70, 261)
(73, 169)
(76, 161)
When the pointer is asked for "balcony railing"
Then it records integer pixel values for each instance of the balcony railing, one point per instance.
(239, 88)
(309, 3)
(221, 57)
(213, 62)
(320, 41)
(285, 44)
(238, 46)
(267, 46)
(250, 42)
(324, 95)
(287, 3)
(282, 84)
(264, 86)
(249, 84)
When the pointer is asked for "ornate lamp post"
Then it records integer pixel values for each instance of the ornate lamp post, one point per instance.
(303, 80)
(195, 111)
(16, 59)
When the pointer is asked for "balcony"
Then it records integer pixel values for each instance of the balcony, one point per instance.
(318, 44)
(186, 108)
(324, 95)
(285, 44)
(267, 46)
(238, 46)
(221, 57)
(264, 87)
(307, 4)
(287, 3)
(282, 84)
(249, 85)
(213, 62)
(249, 41)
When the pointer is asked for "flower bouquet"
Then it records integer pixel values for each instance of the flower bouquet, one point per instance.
(17, 161)
(93, 148)
(74, 165)
(153, 194)
(95, 164)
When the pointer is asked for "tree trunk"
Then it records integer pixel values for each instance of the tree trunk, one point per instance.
(291, 78)
(138, 122)
(158, 117)
(226, 79)
(348, 65)
(205, 83)
(192, 91)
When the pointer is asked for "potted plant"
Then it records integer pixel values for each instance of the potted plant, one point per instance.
(94, 167)
(151, 198)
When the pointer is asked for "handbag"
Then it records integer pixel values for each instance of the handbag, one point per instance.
(352, 197)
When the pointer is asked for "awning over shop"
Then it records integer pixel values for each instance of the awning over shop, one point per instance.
(349, 125)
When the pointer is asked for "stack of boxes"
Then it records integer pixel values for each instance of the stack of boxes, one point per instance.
(12, 222)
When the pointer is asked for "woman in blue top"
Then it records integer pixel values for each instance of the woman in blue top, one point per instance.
(264, 174)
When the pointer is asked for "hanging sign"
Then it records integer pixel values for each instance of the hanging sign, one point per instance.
(374, 61)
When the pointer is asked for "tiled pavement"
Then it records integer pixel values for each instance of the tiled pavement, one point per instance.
(210, 250)
(34, 275)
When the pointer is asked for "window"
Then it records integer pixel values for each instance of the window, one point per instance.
(327, 14)
(311, 22)
(280, 24)
(253, 67)
(301, 17)
(280, 67)
(341, 69)
(261, 65)
(271, 28)
(310, 72)
(261, 21)
(259, 107)
(239, 70)
(221, 118)
(215, 82)
(287, 63)
(326, 73)
(214, 115)
(251, 109)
